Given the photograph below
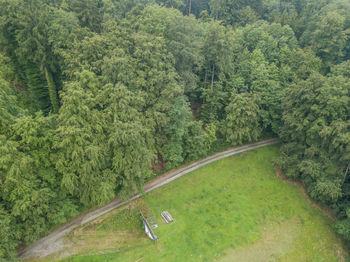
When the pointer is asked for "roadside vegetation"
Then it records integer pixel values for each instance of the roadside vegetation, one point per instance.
(233, 209)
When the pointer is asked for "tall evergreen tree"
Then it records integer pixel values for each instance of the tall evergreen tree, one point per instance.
(242, 121)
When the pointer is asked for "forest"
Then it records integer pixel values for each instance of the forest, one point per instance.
(99, 96)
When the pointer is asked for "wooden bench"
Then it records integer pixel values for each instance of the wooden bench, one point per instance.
(167, 217)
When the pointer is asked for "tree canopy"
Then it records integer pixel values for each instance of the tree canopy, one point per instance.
(98, 96)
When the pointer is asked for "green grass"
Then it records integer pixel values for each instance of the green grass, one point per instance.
(235, 209)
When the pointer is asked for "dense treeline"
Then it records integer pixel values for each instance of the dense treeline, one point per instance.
(97, 96)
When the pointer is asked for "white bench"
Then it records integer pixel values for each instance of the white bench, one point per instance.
(167, 217)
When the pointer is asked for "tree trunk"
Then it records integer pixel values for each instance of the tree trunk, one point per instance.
(346, 172)
(52, 90)
(189, 9)
(212, 77)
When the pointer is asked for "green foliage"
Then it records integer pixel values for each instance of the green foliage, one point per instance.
(197, 6)
(9, 106)
(81, 141)
(101, 139)
(316, 120)
(183, 37)
(343, 228)
(30, 187)
(38, 93)
(179, 116)
(328, 39)
(236, 11)
(196, 142)
(52, 90)
(242, 122)
(9, 235)
(88, 12)
(210, 135)
(215, 70)
(25, 26)
(91, 91)
(178, 4)
(129, 139)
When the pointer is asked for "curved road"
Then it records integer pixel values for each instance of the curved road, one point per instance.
(53, 242)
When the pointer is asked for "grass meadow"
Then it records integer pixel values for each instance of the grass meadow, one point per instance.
(235, 209)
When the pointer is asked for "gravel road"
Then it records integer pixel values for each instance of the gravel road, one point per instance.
(53, 242)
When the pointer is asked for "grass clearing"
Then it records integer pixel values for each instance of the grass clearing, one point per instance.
(235, 209)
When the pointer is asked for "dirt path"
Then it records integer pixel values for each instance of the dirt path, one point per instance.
(53, 242)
